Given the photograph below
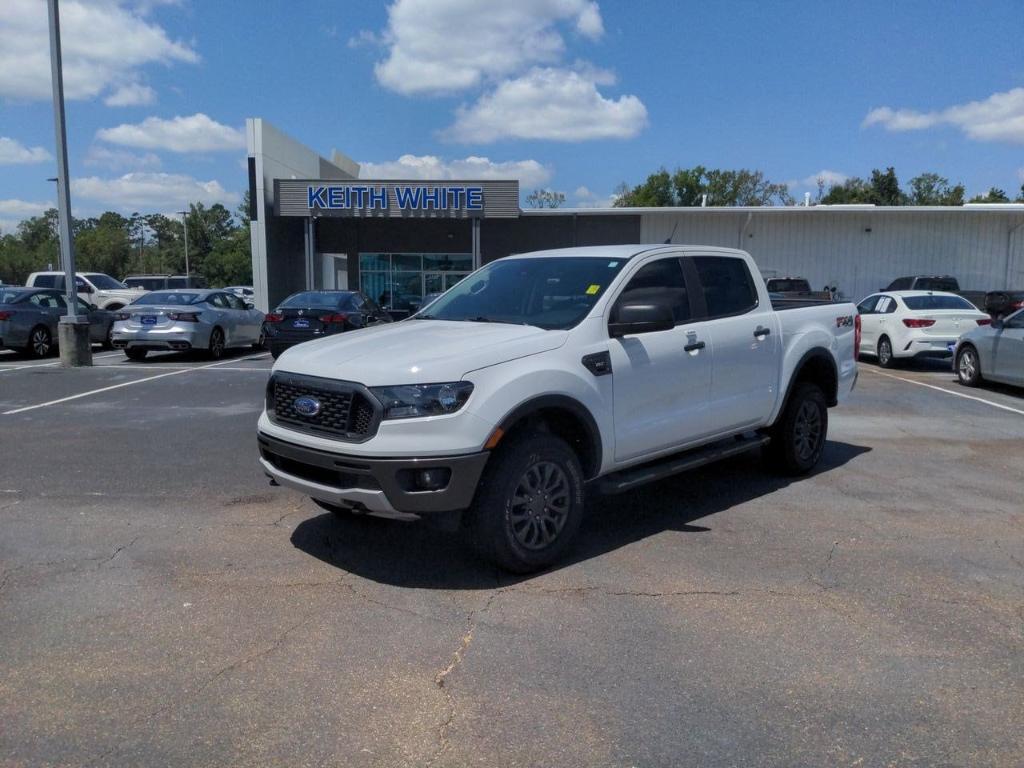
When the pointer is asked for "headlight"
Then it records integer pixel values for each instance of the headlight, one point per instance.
(412, 400)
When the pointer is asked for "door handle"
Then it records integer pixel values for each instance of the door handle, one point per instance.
(760, 332)
(694, 346)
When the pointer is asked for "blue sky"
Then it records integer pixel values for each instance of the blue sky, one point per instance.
(571, 95)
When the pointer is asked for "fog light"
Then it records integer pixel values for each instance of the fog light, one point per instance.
(432, 479)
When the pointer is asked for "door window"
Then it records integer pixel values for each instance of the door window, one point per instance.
(218, 300)
(660, 282)
(233, 301)
(867, 307)
(45, 281)
(727, 285)
(886, 305)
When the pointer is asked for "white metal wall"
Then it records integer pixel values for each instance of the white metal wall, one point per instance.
(860, 251)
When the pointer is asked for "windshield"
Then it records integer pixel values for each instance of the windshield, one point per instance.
(104, 282)
(937, 302)
(314, 300)
(551, 293)
(167, 297)
(789, 286)
(8, 296)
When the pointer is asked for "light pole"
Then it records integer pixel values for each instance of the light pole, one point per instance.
(184, 222)
(73, 329)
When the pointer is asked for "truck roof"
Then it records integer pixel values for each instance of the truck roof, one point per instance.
(624, 251)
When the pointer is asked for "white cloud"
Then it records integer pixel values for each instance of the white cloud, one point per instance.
(548, 103)
(830, 178)
(196, 133)
(120, 159)
(131, 95)
(105, 44)
(142, 191)
(13, 152)
(1000, 117)
(584, 198)
(529, 172)
(582, 193)
(12, 212)
(443, 46)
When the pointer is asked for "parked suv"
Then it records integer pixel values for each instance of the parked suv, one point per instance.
(538, 373)
(93, 288)
(164, 282)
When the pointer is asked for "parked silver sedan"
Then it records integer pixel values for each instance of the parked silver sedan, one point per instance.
(993, 352)
(29, 318)
(210, 321)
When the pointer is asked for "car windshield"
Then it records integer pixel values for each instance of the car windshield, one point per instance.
(104, 282)
(553, 293)
(8, 296)
(163, 298)
(937, 302)
(314, 300)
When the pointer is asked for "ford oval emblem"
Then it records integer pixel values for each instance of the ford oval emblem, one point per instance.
(306, 406)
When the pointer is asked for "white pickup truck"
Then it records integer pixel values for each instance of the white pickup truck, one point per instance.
(543, 373)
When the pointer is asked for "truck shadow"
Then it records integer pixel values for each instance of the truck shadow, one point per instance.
(416, 555)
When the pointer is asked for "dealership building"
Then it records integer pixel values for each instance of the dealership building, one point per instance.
(317, 224)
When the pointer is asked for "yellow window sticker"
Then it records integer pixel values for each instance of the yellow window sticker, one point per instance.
(593, 289)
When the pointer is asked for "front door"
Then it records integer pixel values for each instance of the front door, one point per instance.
(745, 335)
(662, 378)
(1009, 350)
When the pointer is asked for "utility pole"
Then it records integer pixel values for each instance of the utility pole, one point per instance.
(184, 222)
(73, 329)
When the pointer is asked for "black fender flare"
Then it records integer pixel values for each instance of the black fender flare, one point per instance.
(566, 403)
(818, 353)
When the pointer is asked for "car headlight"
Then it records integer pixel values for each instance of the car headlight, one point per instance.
(408, 401)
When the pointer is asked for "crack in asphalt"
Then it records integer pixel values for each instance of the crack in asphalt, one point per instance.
(117, 551)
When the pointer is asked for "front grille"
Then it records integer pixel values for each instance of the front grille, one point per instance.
(346, 410)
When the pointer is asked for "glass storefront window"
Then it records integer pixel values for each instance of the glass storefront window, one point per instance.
(400, 282)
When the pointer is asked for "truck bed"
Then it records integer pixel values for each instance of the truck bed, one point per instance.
(780, 305)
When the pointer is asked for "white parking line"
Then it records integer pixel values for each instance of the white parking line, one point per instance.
(48, 365)
(948, 391)
(124, 384)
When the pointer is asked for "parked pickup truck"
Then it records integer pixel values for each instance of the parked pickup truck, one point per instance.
(795, 288)
(542, 373)
(946, 283)
(92, 287)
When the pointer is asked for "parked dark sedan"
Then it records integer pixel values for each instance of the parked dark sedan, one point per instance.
(314, 314)
(29, 317)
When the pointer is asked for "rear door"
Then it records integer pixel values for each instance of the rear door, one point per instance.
(227, 318)
(868, 323)
(745, 337)
(661, 379)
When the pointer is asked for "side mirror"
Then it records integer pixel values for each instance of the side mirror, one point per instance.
(84, 288)
(997, 323)
(631, 319)
(93, 307)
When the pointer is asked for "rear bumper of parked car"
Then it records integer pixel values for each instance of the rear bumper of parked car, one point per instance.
(175, 338)
(926, 346)
(402, 488)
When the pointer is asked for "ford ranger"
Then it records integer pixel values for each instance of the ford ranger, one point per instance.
(544, 373)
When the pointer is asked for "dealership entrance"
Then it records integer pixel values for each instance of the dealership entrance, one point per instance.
(401, 282)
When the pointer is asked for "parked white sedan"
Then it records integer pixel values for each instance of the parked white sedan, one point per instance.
(910, 324)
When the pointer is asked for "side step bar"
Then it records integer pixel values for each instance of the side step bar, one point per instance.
(628, 479)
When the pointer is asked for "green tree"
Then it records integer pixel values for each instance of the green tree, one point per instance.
(104, 245)
(655, 192)
(851, 192)
(994, 195)
(932, 189)
(688, 186)
(885, 188)
(545, 198)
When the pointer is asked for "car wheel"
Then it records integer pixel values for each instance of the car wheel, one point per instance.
(216, 348)
(529, 504)
(108, 342)
(798, 437)
(135, 354)
(885, 357)
(40, 342)
(261, 342)
(968, 366)
(276, 352)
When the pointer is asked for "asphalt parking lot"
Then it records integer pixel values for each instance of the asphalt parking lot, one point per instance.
(163, 606)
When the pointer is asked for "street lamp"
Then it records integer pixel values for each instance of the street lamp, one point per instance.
(184, 222)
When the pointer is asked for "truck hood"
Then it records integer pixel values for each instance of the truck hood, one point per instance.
(417, 351)
(122, 293)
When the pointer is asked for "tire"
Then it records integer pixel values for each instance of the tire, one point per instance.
(968, 366)
(798, 437)
(108, 342)
(261, 342)
(529, 504)
(40, 342)
(276, 352)
(885, 356)
(135, 354)
(216, 349)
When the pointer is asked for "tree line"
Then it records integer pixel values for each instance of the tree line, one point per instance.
(718, 187)
(117, 245)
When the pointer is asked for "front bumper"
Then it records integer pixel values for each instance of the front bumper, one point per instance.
(175, 338)
(373, 485)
